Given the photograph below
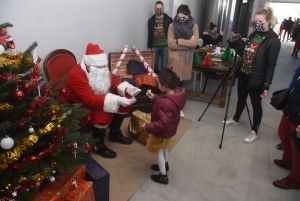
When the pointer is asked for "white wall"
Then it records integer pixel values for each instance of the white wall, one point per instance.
(72, 24)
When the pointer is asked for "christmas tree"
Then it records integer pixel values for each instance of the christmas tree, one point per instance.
(196, 59)
(227, 54)
(39, 136)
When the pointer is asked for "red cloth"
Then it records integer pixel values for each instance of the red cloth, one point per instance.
(79, 91)
(290, 152)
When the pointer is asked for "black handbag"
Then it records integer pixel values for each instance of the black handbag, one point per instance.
(280, 98)
(296, 140)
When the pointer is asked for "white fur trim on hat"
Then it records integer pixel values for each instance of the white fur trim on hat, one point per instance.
(122, 87)
(111, 104)
(96, 60)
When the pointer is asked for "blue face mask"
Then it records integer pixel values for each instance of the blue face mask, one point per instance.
(259, 26)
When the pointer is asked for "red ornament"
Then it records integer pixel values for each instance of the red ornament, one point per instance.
(63, 91)
(10, 43)
(19, 95)
(95, 148)
(206, 61)
(210, 50)
(87, 146)
(53, 112)
(30, 108)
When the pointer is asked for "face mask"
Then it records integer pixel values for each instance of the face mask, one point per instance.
(182, 20)
(259, 26)
(158, 12)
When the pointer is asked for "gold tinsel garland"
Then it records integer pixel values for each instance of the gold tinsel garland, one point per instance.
(5, 107)
(11, 156)
(13, 59)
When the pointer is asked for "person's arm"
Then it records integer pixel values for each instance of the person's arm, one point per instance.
(149, 45)
(193, 42)
(271, 59)
(172, 40)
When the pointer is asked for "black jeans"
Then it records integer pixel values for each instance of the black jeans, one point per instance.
(254, 93)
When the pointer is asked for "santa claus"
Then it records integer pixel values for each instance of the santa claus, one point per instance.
(108, 99)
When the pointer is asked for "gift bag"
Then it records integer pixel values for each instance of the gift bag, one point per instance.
(135, 67)
(137, 119)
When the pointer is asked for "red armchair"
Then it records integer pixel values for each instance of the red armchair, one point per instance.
(57, 64)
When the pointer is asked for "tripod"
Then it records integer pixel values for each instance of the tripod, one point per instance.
(231, 71)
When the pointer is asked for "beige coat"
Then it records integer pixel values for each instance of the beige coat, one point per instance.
(182, 68)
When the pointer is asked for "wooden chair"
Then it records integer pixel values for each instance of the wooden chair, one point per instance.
(57, 64)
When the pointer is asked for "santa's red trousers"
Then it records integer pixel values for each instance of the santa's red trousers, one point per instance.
(100, 117)
(290, 152)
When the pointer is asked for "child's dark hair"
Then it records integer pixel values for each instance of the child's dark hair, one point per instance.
(184, 9)
(168, 78)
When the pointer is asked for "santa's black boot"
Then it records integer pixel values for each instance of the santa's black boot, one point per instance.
(115, 134)
(99, 147)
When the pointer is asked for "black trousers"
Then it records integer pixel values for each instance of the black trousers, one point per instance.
(254, 93)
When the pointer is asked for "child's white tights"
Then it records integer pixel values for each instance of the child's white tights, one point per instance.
(162, 158)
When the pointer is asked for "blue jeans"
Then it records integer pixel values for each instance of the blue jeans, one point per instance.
(162, 53)
(182, 83)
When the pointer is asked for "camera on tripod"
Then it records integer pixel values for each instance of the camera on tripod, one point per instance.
(237, 43)
(234, 42)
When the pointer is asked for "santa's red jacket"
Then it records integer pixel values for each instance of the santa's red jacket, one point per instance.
(101, 106)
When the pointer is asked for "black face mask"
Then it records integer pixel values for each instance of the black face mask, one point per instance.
(182, 20)
(259, 26)
(159, 12)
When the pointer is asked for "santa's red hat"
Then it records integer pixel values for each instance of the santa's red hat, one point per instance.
(94, 56)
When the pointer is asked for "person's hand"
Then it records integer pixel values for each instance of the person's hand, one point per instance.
(149, 49)
(193, 37)
(264, 94)
(132, 91)
(150, 94)
(298, 131)
(124, 101)
(221, 33)
(143, 125)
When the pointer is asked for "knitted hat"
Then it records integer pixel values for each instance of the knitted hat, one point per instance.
(94, 56)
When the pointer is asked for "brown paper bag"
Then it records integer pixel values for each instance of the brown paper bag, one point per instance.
(137, 119)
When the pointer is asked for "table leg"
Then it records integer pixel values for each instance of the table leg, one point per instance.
(205, 82)
(224, 90)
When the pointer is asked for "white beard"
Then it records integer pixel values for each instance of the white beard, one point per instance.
(99, 80)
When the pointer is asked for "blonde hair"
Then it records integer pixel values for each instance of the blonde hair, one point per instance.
(269, 13)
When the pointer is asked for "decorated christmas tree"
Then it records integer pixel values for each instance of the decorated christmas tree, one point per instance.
(227, 54)
(196, 58)
(39, 136)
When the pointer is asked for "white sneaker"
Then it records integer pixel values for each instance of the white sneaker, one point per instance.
(230, 121)
(252, 136)
(181, 113)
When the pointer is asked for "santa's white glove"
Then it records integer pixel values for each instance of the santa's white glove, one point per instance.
(124, 101)
(132, 91)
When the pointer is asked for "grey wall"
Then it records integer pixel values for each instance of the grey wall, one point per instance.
(72, 24)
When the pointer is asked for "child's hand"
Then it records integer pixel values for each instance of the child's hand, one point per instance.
(143, 125)
(150, 94)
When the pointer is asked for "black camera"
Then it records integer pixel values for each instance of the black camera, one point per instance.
(234, 42)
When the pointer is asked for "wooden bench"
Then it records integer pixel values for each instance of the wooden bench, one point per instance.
(143, 103)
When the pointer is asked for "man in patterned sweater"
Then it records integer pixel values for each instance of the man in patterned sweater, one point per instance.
(158, 26)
